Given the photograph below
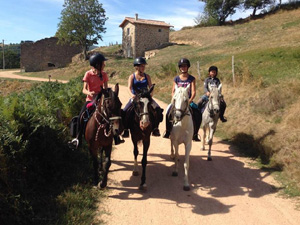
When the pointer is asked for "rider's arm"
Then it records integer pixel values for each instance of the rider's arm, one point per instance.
(130, 82)
(149, 83)
(193, 90)
(86, 91)
(173, 88)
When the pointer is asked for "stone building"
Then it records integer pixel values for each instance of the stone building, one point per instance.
(46, 54)
(140, 35)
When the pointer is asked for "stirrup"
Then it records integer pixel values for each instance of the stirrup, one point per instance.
(118, 140)
(73, 144)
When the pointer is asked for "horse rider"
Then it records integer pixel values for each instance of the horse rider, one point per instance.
(214, 81)
(183, 80)
(94, 81)
(137, 81)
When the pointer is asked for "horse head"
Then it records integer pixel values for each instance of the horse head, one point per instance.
(111, 106)
(142, 106)
(180, 102)
(214, 99)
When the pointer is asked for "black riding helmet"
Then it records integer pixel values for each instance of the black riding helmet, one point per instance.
(97, 59)
(184, 61)
(139, 61)
(213, 68)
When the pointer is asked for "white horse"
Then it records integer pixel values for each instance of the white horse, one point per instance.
(210, 117)
(182, 131)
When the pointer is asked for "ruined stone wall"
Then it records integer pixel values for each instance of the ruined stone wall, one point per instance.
(128, 40)
(149, 37)
(46, 54)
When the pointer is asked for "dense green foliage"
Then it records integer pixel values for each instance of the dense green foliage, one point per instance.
(81, 23)
(220, 9)
(36, 166)
(11, 56)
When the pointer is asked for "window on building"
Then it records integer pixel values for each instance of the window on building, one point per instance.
(128, 31)
(159, 30)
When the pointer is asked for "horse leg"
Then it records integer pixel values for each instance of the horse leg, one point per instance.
(210, 141)
(172, 156)
(176, 160)
(203, 137)
(135, 153)
(186, 185)
(146, 145)
(103, 183)
(94, 154)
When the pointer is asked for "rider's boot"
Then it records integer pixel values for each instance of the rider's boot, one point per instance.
(222, 111)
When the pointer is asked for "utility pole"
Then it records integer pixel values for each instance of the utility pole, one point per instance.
(3, 54)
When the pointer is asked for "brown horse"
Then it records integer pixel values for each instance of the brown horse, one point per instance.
(100, 129)
(141, 128)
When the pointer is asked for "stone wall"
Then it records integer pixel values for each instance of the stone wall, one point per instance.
(128, 40)
(141, 38)
(149, 37)
(46, 54)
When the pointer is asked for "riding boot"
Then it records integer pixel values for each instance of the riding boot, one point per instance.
(118, 140)
(196, 123)
(125, 120)
(158, 119)
(222, 111)
(168, 127)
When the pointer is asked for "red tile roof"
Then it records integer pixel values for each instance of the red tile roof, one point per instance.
(143, 21)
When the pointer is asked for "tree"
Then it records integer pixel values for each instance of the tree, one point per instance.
(220, 9)
(81, 23)
(257, 4)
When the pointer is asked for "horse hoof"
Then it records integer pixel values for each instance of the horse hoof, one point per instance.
(135, 173)
(175, 174)
(209, 159)
(143, 187)
(203, 149)
(172, 157)
(186, 188)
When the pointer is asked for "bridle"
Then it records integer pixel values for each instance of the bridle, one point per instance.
(183, 112)
(211, 106)
(106, 119)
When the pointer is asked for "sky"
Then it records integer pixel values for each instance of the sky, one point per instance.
(33, 20)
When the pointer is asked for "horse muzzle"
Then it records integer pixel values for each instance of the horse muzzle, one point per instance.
(144, 125)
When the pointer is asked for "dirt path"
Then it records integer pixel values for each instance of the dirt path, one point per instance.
(224, 191)
(11, 74)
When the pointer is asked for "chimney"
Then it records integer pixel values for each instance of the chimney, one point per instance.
(136, 16)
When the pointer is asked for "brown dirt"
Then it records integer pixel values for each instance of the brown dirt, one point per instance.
(225, 191)
(11, 74)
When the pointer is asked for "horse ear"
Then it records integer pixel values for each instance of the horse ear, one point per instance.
(117, 89)
(176, 86)
(220, 88)
(151, 88)
(188, 87)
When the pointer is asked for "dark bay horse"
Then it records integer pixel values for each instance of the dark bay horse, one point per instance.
(100, 129)
(141, 128)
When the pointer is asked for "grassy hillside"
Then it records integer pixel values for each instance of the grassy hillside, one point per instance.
(263, 103)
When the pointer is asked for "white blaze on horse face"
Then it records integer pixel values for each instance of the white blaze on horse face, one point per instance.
(215, 98)
(145, 121)
(180, 102)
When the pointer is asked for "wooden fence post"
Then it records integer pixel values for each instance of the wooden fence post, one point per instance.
(233, 77)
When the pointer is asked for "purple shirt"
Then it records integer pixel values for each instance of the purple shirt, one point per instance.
(184, 83)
